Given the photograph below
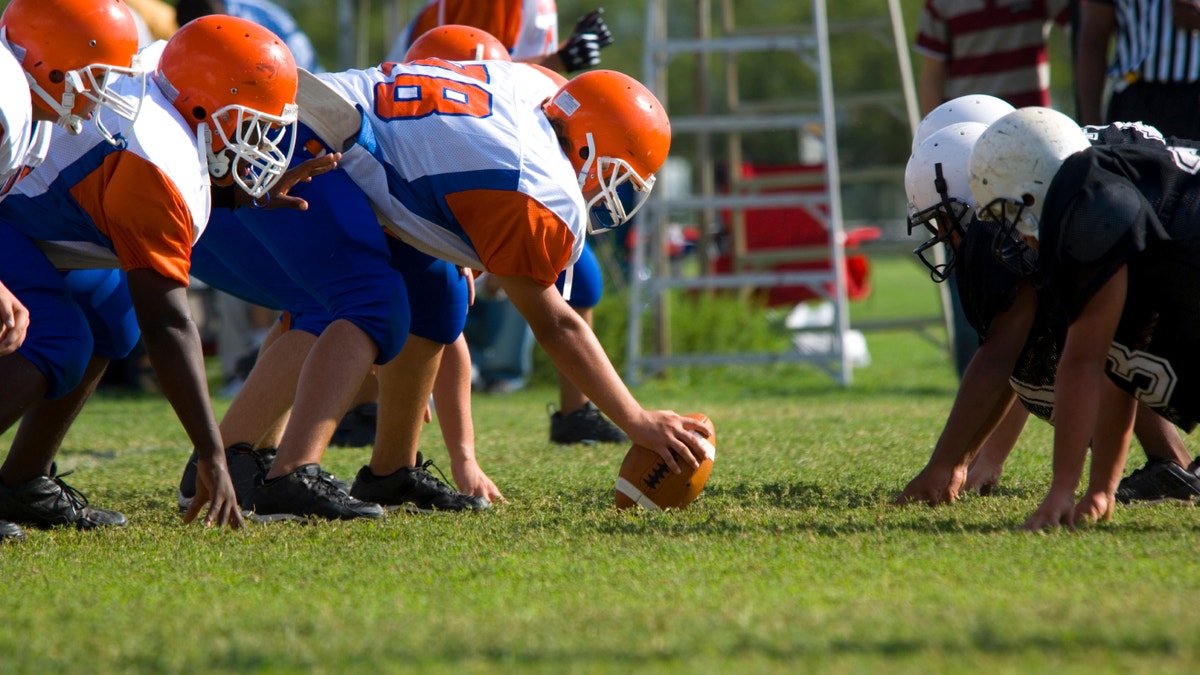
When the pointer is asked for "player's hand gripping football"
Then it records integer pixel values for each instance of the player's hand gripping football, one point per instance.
(670, 435)
(214, 488)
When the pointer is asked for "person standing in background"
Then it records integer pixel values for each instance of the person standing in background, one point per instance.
(1155, 70)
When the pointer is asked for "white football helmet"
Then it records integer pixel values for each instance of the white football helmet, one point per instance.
(1013, 162)
(979, 108)
(939, 194)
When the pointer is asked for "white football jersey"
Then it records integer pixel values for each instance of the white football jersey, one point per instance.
(461, 163)
(92, 205)
(18, 146)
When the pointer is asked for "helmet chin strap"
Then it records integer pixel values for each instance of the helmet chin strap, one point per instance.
(591, 159)
(218, 165)
(66, 119)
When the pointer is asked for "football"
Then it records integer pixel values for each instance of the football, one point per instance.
(644, 479)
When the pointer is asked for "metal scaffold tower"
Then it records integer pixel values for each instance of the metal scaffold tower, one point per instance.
(724, 197)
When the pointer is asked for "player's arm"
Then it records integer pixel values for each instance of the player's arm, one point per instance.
(14, 321)
(1077, 391)
(1096, 25)
(573, 347)
(173, 345)
(1110, 445)
(984, 396)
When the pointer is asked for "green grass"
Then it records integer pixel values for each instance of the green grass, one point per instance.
(790, 561)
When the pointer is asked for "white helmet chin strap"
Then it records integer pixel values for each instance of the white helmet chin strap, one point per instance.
(591, 159)
(218, 165)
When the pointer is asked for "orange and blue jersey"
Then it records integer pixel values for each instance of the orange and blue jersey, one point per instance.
(90, 205)
(460, 162)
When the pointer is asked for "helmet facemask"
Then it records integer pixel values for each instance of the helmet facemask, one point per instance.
(259, 151)
(1015, 219)
(89, 82)
(622, 190)
(942, 220)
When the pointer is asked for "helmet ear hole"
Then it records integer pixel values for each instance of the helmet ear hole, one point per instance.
(583, 152)
(199, 113)
(57, 76)
(1028, 199)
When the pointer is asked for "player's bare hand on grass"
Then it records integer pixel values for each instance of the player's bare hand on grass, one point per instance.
(1057, 509)
(983, 477)
(221, 500)
(933, 486)
(670, 434)
(1096, 507)
(471, 480)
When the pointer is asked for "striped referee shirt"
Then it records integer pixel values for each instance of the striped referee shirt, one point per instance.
(1149, 47)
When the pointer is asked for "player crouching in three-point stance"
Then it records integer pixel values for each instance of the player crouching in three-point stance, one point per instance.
(489, 166)
(220, 105)
(1117, 233)
(1021, 337)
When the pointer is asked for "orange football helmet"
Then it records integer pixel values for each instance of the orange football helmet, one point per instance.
(235, 84)
(71, 50)
(617, 135)
(455, 42)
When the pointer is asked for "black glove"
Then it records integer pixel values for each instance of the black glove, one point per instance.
(581, 51)
(593, 22)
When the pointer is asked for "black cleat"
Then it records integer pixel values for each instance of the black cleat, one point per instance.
(10, 532)
(1159, 480)
(47, 501)
(413, 489)
(307, 493)
(586, 425)
(246, 467)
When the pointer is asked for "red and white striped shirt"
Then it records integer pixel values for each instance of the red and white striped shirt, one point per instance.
(995, 47)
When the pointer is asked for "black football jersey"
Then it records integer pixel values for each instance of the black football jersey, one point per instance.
(986, 287)
(1134, 204)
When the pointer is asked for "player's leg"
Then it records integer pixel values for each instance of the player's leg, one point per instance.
(337, 253)
(59, 347)
(396, 476)
(1168, 474)
(578, 420)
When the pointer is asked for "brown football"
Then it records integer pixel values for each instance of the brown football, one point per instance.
(645, 480)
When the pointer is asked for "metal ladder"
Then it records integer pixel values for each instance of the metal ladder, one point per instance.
(652, 278)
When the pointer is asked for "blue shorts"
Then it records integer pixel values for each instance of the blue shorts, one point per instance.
(337, 253)
(231, 259)
(587, 286)
(103, 295)
(59, 342)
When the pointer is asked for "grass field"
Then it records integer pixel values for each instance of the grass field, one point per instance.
(791, 561)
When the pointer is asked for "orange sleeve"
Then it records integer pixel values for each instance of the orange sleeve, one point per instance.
(501, 18)
(513, 233)
(141, 211)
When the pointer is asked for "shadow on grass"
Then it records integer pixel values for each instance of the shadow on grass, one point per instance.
(817, 510)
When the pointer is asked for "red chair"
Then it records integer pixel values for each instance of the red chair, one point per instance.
(777, 236)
